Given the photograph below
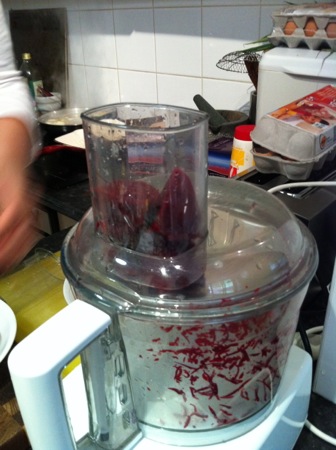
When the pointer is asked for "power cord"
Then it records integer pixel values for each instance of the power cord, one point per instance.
(304, 338)
(305, 334)
(309, 340)
(325, 437)
(281, 187)
(312, 345)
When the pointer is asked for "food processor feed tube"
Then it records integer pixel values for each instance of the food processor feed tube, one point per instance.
(148, 176)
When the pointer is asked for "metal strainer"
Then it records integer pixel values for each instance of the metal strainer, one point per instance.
(241, 62)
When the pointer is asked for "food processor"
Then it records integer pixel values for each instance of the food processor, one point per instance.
(184, 294)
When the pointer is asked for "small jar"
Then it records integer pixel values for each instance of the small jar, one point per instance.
(241, 155)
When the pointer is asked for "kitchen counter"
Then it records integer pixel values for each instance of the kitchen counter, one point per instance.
(74, 202)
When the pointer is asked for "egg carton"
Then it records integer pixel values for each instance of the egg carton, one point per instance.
(301, 130)
(271, 162)
(290, 24)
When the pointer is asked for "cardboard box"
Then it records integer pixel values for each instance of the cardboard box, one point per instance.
(301, 130)
(310, 25)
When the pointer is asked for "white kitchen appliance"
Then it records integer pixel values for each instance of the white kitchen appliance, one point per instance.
(189, 290)
(287, 74)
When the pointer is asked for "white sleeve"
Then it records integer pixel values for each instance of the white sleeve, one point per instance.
(15, 99)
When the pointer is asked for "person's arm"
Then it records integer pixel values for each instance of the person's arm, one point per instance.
(15, 99)
(17, 231)
(18, 145)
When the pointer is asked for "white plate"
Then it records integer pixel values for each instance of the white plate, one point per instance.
(7, 329)
(68, 292)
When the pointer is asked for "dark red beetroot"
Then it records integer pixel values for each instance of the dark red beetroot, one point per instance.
(177, 220)
(125, 206)
(136, 216)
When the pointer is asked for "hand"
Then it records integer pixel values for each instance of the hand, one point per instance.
(17, 232)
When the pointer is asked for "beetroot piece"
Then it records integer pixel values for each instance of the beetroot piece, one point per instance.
(135, 215)
(177, 220)
(125, 206)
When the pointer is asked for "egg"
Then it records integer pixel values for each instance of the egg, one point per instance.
(290, 27)
(310, 28)
(331, 30)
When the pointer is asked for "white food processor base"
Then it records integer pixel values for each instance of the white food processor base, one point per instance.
(279, 430)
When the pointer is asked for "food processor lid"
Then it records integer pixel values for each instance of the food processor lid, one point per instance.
(258, 253)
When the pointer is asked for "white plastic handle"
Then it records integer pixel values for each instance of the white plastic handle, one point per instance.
(35, 365)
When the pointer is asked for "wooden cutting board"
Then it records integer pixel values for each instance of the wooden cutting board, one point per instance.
(34, 291)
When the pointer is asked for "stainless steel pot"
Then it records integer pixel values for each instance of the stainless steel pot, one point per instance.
(57, 123)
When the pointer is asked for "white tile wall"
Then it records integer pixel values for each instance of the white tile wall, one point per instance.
(178, 37)
(158, 50)
(135, 39)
